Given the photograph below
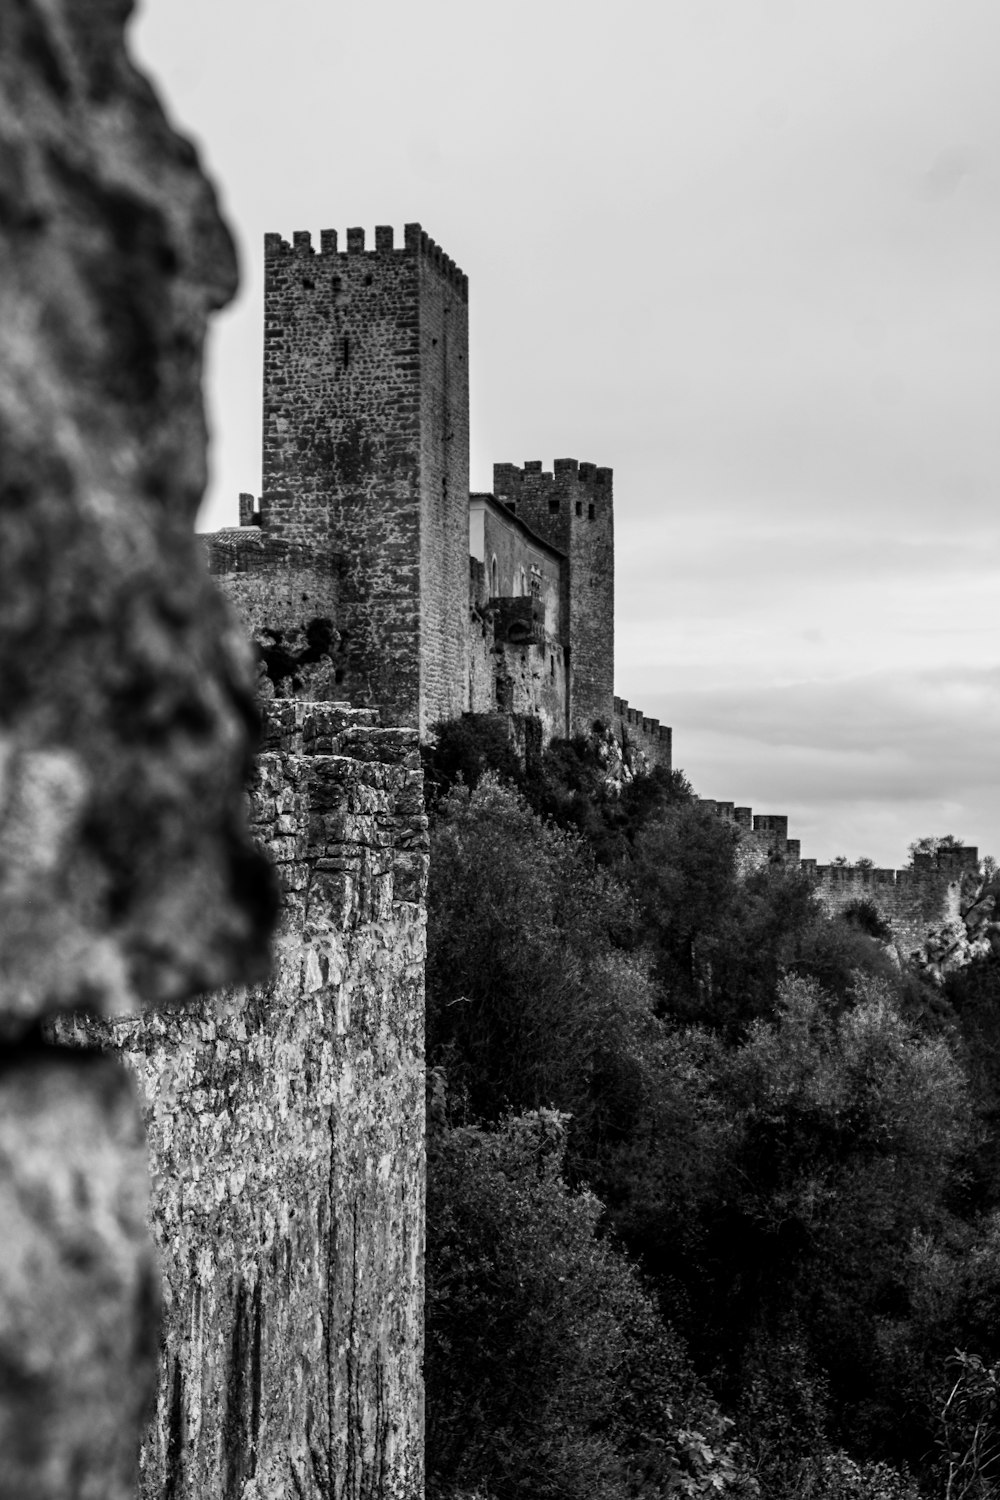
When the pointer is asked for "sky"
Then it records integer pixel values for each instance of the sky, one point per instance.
(746, 253)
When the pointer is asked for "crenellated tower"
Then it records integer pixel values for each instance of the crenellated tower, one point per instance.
(572, 509)
(366, 454)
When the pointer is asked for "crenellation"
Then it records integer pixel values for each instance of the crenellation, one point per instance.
(366, 497)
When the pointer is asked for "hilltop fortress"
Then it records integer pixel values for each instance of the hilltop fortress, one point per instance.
(367, 571)
(369, 574)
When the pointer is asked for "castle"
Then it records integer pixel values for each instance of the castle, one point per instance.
(368, 572)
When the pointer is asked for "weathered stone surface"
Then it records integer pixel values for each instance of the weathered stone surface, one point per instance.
(126, 877)
(78, 1281)
(286, 1132)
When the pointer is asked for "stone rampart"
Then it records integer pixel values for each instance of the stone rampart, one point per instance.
(285, 1127)
(915, 901)
(635, 732)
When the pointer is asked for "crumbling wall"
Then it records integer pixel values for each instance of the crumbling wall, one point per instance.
(288, 597)
(286, 1146)
(127, 877)
(915, 902)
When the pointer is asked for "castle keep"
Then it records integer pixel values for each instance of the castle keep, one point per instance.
(368, 573)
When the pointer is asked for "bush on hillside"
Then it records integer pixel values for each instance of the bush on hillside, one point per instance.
(549, 1371)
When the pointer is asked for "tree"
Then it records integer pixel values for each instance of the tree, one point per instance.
(847, 1126)
(533, 997)
(549, 1371)
(934, 844)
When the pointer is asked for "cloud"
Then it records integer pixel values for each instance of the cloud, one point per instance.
(880, 759)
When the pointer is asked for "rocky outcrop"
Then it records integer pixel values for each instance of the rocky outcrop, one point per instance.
(127, 875)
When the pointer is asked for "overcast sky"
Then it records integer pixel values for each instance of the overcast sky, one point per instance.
(744, 252)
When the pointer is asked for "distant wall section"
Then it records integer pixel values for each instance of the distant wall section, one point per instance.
(914, 901)
(635, 732)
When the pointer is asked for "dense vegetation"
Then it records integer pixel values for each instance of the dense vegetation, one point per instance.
(714, 1203)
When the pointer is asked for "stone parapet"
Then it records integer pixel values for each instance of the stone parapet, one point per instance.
(637, 732)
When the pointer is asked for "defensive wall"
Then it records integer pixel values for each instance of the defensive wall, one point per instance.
(285, 1126)
(767, 831)
(635, 732)
(915, 901)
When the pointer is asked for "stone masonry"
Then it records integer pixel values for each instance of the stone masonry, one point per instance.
(573, 508)
(357, 573)
(285, 1128)
(366, 455)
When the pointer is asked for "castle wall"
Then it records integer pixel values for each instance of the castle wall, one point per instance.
(366, 452)
(641, 736)
(289, 599)
(285, 1127)
(914, 902)
(572, 509)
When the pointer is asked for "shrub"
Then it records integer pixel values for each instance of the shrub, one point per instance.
(549, 1372)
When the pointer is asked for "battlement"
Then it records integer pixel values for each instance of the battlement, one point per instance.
(514, 486)
(636, 720)
(768, 830)
(915, 902)
(415, 242)
(634, 729)
(951, 863)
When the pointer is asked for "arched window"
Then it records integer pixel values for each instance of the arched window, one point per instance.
(493, 577)
(523, 585)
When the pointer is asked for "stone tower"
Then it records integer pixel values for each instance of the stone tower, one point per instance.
(366, 454)
(572, 508)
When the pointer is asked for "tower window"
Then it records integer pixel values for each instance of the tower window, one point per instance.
(552, 666)
(591, 512)
(553, 507)
(579, 507)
